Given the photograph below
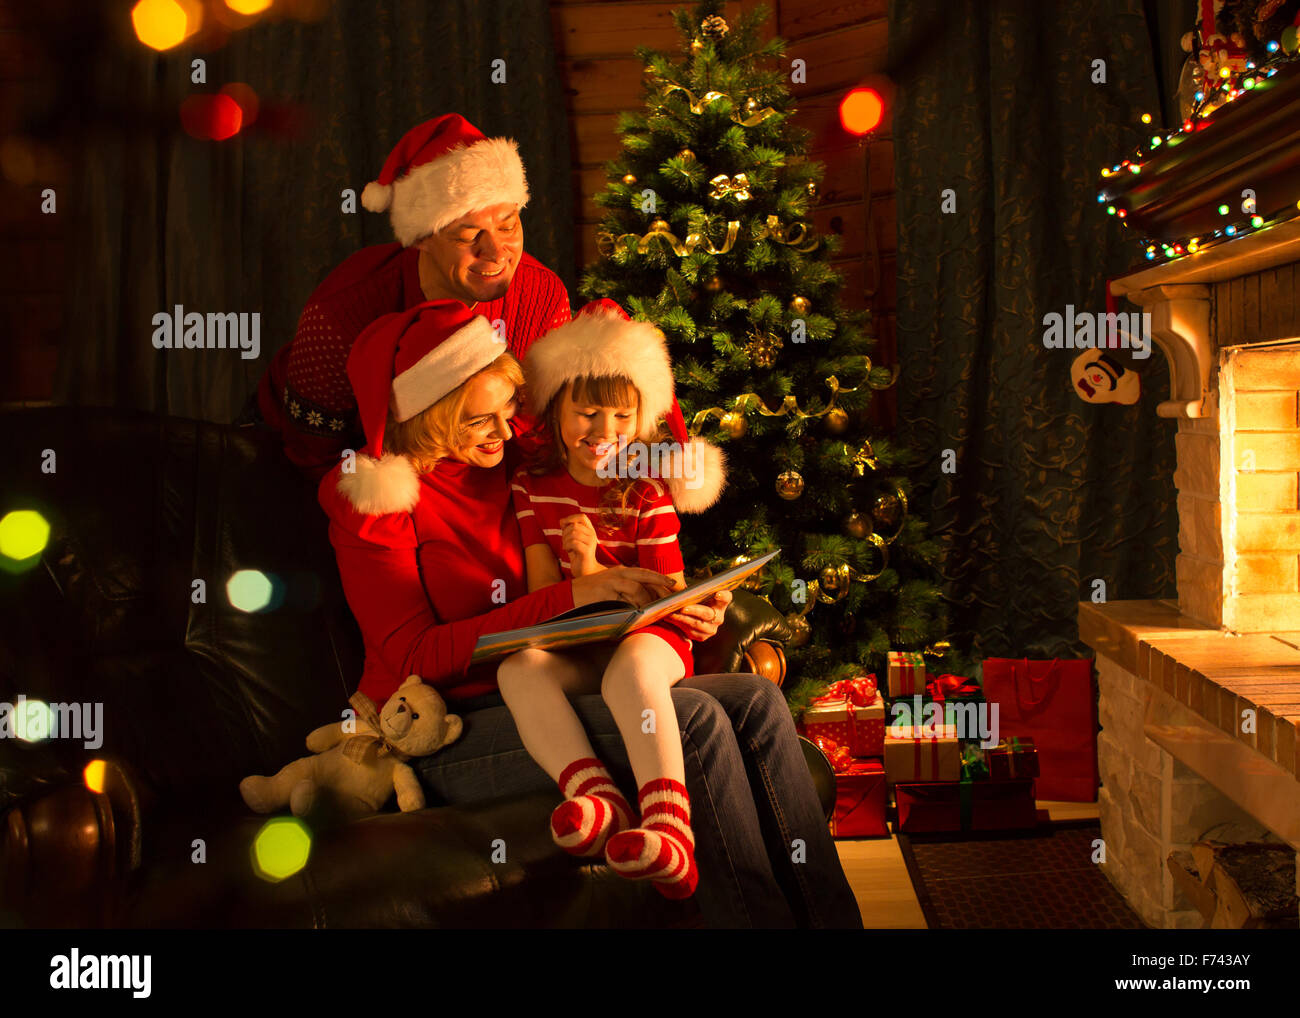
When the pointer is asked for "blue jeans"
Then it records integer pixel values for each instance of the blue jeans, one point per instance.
(751, 797)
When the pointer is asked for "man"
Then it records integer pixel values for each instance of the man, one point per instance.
(454, 199)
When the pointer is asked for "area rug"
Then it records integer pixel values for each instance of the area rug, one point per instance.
(1041, 879)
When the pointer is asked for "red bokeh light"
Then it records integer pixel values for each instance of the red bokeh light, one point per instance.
(861, 111)
(211, 117)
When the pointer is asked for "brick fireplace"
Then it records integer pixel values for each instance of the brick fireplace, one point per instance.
(1200, 699)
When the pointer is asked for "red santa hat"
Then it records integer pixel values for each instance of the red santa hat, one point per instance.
(603, 341)
(408, 361)
(442, 170)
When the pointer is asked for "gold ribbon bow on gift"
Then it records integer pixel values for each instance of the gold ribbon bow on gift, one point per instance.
(356, 747)
(724, 185)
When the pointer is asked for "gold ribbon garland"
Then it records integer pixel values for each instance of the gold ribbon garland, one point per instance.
(724, 185)
(789, 405)
(751, 117)
(607, 243)
(796, 235)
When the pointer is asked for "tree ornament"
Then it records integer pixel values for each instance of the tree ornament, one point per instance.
(734, 424)
(686, 154)
(812, 189)
(789, 485)
(888, 512)
(834, 584)
(864, 459)
(800, 305)
(762, 349)
(857, 525)
(800, 630)
(696, 46)
(837, 421)
(714, 27)
(629, 179)
(713, 284)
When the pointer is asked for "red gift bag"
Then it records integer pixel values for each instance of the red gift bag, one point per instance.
(1051, 702)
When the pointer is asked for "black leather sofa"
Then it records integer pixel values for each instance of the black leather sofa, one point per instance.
(197, 694)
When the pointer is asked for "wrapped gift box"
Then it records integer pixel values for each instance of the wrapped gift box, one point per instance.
(861, 729)
(911, 754)
(860, 801)
(906, 673)
(1013, 758)
(941, 806)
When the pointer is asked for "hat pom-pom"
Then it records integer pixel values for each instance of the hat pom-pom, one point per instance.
(377, 197)
(696, 476)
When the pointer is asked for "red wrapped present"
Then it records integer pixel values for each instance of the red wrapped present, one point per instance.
(840, 758)
(952, 687)
(936, 806)
(1013, 758)
(922, 754)
(860, 801)
(861, 729)
(906, 673)
(861, 690)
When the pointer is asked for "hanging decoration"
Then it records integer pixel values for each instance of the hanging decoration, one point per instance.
(752, 116)
(714, 27)
(723, 185)
(796, 235)
(762, 349)
(607, 244)
(789, 485)
(888, 512)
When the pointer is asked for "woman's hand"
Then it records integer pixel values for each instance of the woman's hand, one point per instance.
(701, 621)
(578, 539)
(630, 584)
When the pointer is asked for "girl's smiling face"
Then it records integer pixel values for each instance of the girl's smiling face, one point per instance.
(592, 430)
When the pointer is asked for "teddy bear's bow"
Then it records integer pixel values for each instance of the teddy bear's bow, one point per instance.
(356, 747)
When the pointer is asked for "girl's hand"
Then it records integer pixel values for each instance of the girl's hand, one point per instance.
(629, 584)
(578, 538)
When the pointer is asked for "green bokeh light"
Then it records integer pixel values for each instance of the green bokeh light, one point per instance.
(23, 534)
(281, 848)
(249, 590)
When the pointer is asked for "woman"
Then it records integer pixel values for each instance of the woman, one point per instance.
(430, 556)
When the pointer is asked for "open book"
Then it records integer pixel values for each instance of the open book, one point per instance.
(609, 620)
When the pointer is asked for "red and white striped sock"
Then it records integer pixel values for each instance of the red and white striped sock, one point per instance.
(592, 811)
(662, 849)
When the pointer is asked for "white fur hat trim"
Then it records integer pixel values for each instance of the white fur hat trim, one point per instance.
(447, 365)
(465, 179)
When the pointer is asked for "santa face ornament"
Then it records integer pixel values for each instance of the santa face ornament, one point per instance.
(1100, 378)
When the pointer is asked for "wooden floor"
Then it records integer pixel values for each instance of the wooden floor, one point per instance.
(878, 875)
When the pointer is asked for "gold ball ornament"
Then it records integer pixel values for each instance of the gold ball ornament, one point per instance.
(812, 189)
(789, 485)
(734, 424)
(686, 154)
(659, 224)
(800, 305)
(762, 349)
(837, 421)
(887, 512)
(857, 525)
(800, 630)
(696, 46)
(629, 179)
(830, 580)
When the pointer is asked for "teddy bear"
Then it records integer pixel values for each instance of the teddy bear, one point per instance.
(363, 762)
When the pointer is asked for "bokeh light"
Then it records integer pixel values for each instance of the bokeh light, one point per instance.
(248, 6)
(32, 720)
(94, 774)
(162, 24)
(246, 99)
(861, 111)
(250, 590)
(281, 848)
(24, 534)
(211, 117)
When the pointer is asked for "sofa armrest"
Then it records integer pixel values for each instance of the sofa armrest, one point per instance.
(750, 620)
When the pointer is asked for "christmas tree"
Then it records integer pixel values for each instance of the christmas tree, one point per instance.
(706, 234)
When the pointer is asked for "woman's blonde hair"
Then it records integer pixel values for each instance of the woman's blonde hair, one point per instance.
(434, 434)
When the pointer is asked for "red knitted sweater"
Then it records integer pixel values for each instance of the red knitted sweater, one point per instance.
(305, 393)
(425, 585)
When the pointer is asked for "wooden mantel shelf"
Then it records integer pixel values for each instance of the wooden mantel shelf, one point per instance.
(1214, 674)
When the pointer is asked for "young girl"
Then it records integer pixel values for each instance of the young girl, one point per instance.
(598, 388)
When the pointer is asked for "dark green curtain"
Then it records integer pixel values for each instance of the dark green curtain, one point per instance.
(256, 222)
(996, 101)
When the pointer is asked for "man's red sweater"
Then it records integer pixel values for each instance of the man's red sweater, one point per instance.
(305, 393)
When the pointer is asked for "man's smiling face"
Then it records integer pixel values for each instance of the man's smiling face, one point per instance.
(474, 258)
